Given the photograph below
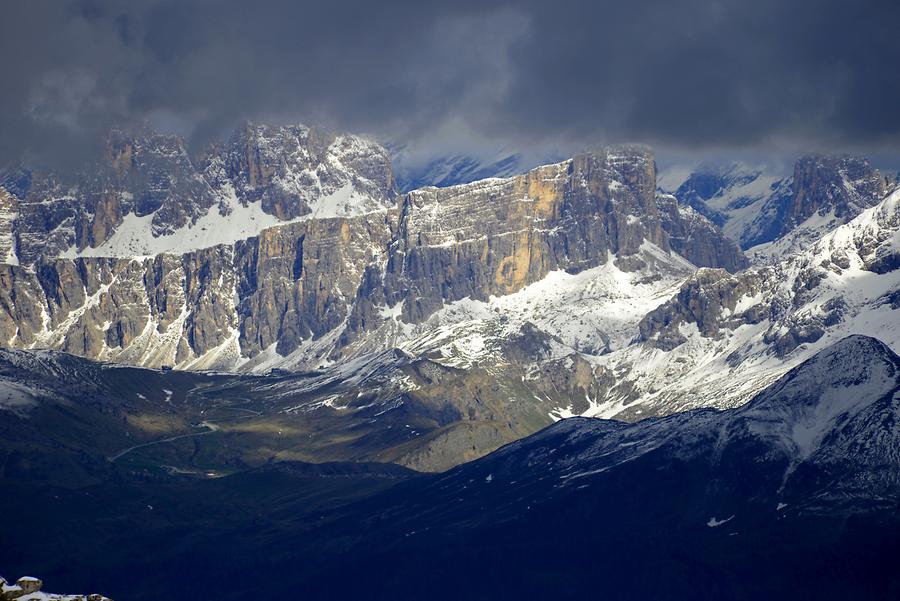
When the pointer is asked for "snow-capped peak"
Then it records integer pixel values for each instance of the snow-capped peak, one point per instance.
(814, 399)
(262, 177)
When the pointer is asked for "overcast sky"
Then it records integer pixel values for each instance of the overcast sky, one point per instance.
(692, 78)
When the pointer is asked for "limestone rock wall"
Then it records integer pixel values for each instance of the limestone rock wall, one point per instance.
(331, 281)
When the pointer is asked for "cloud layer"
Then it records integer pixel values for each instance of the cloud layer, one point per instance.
(696, 74)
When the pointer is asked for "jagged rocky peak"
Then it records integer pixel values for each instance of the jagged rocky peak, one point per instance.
(696, 238)
(290, 169)
(198, 298)
(148, 195)
(755, 206)
(824, 192)
(141, 174)
(721, 334)
(842, 184)
(145, 174)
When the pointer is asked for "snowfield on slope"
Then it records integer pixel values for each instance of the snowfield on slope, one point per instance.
(726, 370)
(229, 222)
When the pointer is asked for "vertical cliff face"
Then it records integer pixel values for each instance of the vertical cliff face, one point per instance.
(496, 236)
(213, 307)
(9, 212)
(152, 311)
(149, 257)
(696, 238)
(299, 282)
(154, 279)
(843, 185)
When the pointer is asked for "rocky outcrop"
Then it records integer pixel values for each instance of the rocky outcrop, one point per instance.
(9, 212)
(845, 185)
(708, 299)
(289, 169)
(718, 303)
(141, 175)
(801, 297)
(696, 238)
(28, 588)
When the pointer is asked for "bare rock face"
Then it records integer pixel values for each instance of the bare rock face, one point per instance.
(696, 238)
(45, 221)
(844, 184)
(151, 174)
(9, 212)
(716, 302)
(288, 169)
(284, 171)
(496, 236)
(298, 282)
(146, 174)
(824, 192)
(320, 281)
(801, 297)
(284, 286)
(705, 300)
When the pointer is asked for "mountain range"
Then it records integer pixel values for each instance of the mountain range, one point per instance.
(291, 356)
(472, 314)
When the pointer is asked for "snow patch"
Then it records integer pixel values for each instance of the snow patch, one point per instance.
(714, 523)
(226, 223)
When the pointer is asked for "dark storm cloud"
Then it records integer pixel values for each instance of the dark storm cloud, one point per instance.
(678, 74)
(708, 73)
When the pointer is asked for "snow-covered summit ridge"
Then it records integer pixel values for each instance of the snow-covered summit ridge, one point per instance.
(835, 413)
(722, 337)
(857, 363)
(819, 399)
